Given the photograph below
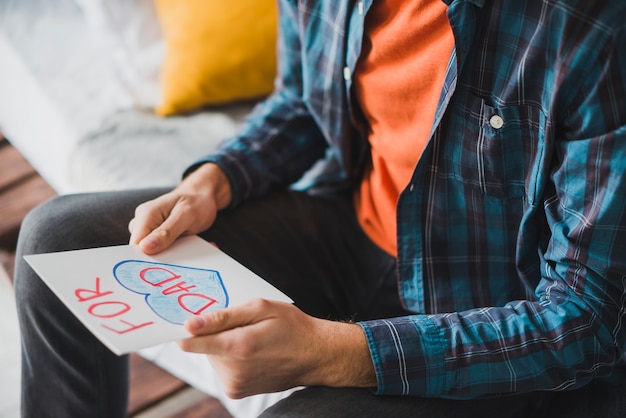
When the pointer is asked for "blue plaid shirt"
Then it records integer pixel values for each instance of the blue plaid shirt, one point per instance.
(512, 230)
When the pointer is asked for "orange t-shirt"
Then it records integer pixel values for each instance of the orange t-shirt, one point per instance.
(397, 83)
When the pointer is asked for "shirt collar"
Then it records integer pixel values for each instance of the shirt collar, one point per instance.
(479, 3)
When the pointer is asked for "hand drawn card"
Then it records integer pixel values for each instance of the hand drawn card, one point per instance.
(130, 300)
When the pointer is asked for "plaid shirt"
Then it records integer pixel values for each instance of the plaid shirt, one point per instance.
(512, 230)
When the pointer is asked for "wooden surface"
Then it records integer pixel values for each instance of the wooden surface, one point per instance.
(149, 384)
(21, 189)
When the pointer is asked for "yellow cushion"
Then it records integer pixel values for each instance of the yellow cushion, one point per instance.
(217, 51)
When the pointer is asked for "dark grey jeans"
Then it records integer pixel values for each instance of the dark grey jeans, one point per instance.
(312, 248)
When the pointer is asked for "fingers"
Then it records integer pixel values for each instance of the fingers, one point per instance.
(165, 234)
(138, 231)
(225, 319)
(189, 209)
(145, 220)
(157, 224)
(214, 332)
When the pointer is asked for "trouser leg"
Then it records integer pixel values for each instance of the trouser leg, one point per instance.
(313, 249)
(321, 402)
(66, 372)
(595, 400)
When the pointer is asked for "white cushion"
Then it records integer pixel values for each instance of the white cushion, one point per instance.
(132, 29)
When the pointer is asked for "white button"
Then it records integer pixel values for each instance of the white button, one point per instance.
(496, 122)
(346, 73)
(361, 8)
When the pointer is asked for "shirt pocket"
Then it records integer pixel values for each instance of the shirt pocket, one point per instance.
(495, 149)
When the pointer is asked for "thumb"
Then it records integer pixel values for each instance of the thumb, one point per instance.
(156, 241)
(221, 320)
(162, 236)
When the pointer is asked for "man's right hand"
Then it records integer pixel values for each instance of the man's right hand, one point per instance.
(187, 210)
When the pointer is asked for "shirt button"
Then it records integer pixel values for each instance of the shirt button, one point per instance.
(346, 73)
(496, 122)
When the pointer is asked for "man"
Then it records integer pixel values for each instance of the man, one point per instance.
(466, 230)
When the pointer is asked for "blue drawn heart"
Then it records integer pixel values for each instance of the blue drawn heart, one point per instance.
(173, 292)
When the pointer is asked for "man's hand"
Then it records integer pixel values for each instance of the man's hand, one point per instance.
(266, 346)
(188, 209)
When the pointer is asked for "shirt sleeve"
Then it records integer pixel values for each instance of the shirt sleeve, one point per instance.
(573, 332)
(279, 140)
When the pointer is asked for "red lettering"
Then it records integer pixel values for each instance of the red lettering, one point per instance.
(125, 308)
(210, 302)
(131, 327)
(84, 294)
(111, 309)
(178, 287)
(143, 273)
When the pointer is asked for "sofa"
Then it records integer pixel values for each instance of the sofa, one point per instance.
(88, 95)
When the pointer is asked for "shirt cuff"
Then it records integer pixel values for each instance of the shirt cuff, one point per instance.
(408, 355)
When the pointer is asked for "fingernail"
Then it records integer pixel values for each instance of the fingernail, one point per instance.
(149, 243)
(195, 322)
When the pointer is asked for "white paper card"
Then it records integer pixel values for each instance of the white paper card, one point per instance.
(130, 300)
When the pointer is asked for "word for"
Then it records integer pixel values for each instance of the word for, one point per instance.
(112, 312)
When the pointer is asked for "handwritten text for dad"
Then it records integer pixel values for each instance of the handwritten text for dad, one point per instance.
(172, 292)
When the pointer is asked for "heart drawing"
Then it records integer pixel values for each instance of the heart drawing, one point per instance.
(173, 292)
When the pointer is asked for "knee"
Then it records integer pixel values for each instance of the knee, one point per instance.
(45, 226)
(37, 233)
